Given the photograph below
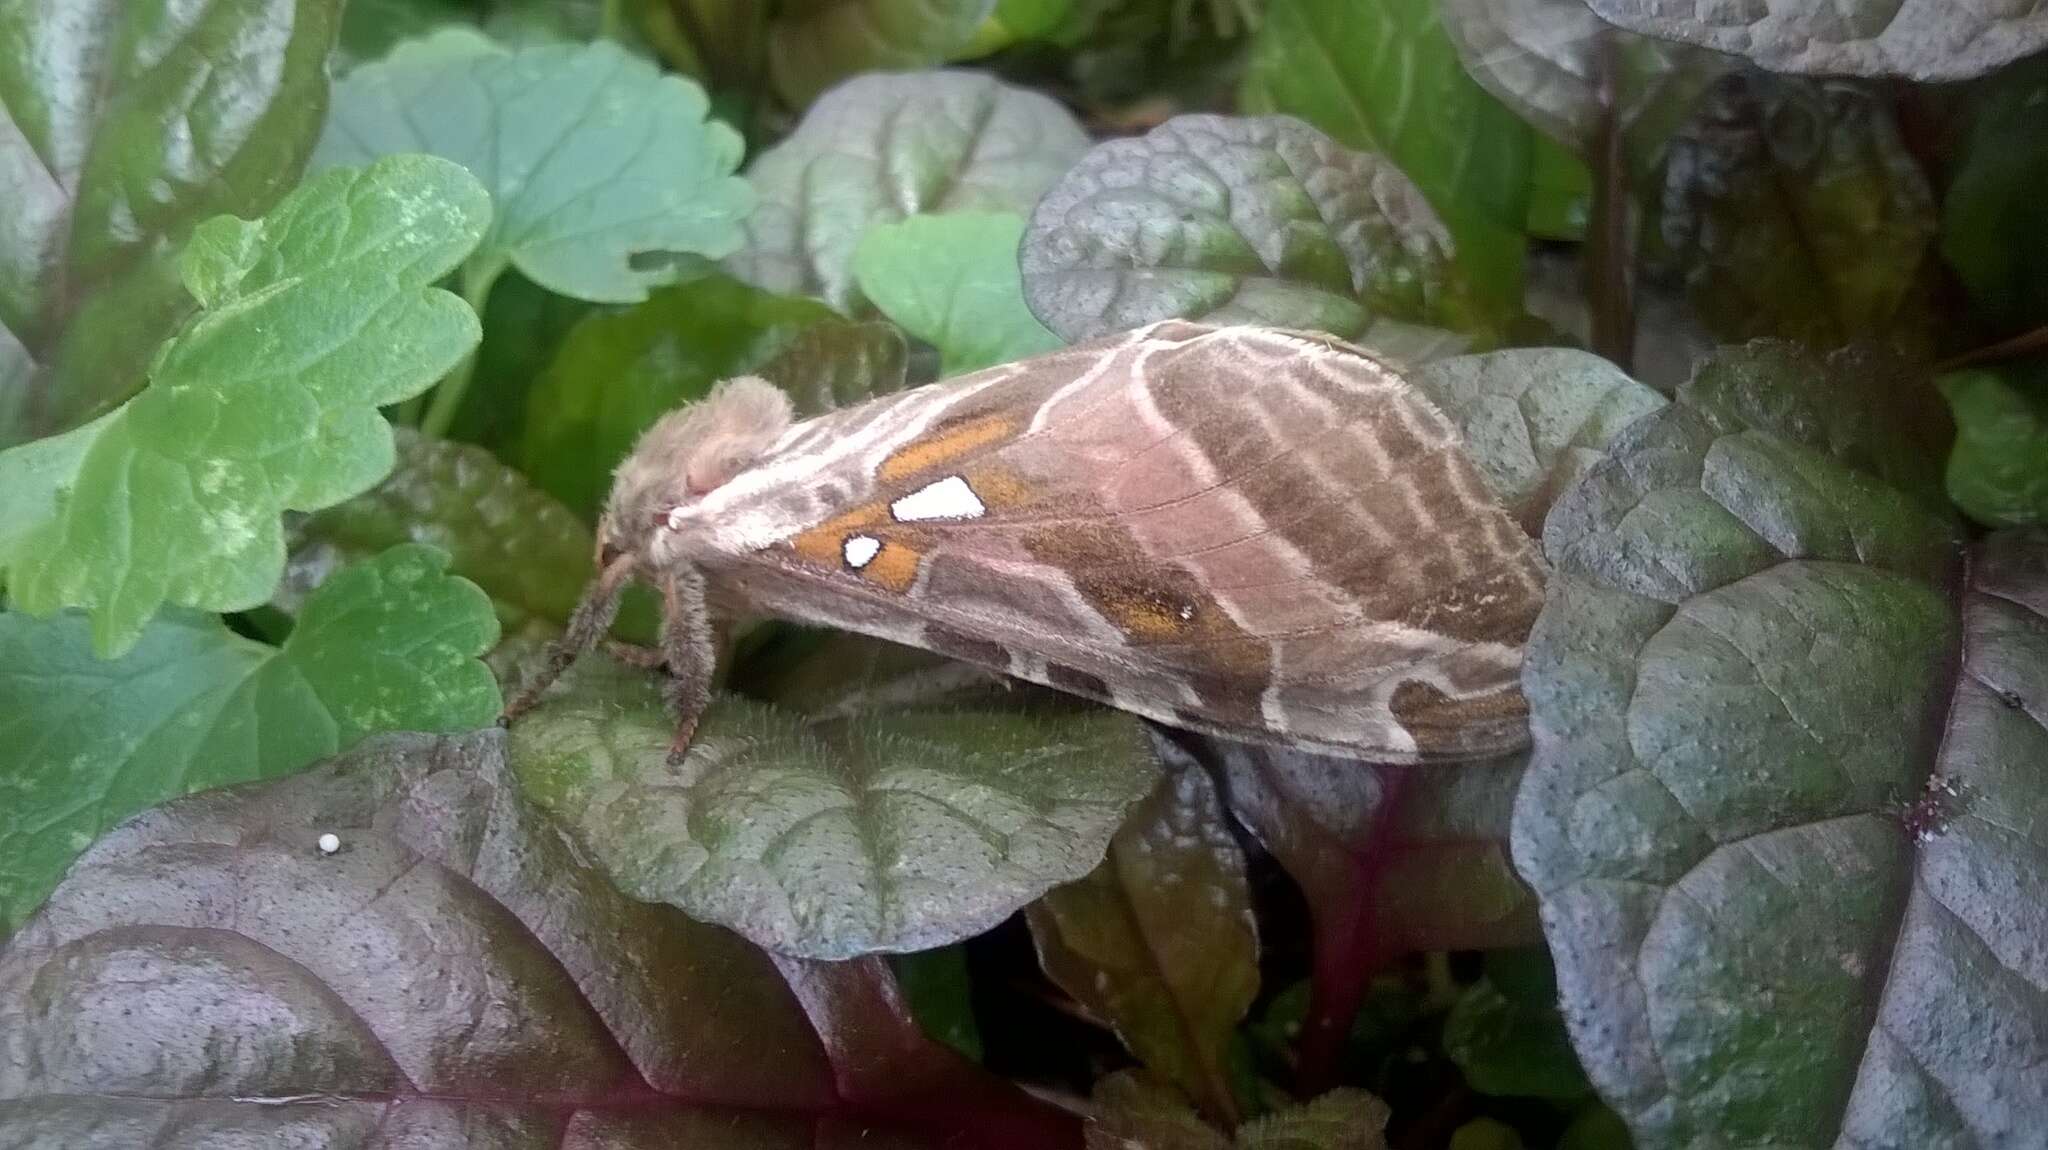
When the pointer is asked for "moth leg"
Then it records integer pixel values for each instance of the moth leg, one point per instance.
(587, 624)
(687, 642)
(635, 655)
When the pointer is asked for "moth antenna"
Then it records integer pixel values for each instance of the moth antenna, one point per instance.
(587, 624)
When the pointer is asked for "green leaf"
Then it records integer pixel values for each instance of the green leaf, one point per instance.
(617, 372)
(888, 832)
(526, 550)
(941, 995)
(1534, 419)
(1919, 39)
(814, 44)
(1998, 472)
(1784, 807)
(389, 644)
(1235, 220)
(1383, 77)
(879, 148)
(838, 363)
(1485, 1134)
(1159, 941)
(266, 401)
(128, 122)
(601, 169)
(1505, 1033)
(453, 974)
(1994, 219)
(1794, 209)
(1136, 1109)
(953, 282)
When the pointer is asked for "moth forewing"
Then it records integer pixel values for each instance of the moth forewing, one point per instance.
(1254, 533)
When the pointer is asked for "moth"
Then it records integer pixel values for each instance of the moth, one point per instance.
(1259, 534)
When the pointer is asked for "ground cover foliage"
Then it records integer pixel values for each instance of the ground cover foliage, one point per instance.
(323, 325)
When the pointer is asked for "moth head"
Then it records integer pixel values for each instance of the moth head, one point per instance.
(687, 454)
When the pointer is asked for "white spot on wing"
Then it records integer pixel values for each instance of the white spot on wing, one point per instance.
(861, 550)
(948, 498)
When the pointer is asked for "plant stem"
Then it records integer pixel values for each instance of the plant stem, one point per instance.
(1610, 266)
(476, 289)
(2014, 348)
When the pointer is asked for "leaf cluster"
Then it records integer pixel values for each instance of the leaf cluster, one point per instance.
(323, 328)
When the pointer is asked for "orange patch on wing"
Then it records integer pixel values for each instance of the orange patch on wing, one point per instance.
(943, 446)
(826, 543)
(893, 567)
(1000, 488)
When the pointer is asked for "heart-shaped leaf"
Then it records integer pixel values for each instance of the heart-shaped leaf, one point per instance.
(1919, 39)
(1998, 472)
(115, 146)
(595, 159)
(1534, 419)
(879, 148)
(1794, 209)
(265, 401)
(953, 282)
(814, 44)
(1783, 811)
(885, 832)
(1159, 941)
(450, 974)
(1384, 78)
(618, 372)
(1229, 219)
(389, 644)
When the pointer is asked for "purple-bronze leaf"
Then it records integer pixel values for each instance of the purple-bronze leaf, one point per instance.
(1159, 941)
(397, 949)
(1391, 860)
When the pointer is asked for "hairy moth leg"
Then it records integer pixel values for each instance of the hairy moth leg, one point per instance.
(687, 641)
(587, 624)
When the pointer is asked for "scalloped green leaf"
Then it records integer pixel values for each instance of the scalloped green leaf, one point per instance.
(265, 401)
(1159, 941)
(1231, 219)
(889, 831)
(878, 148)
(619, 371)
(814, 44)
(952, 281)
(389, 644)
(600, 167)
(1784, 808)
(127, 122)
(1926, 40)
(1383, 77)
